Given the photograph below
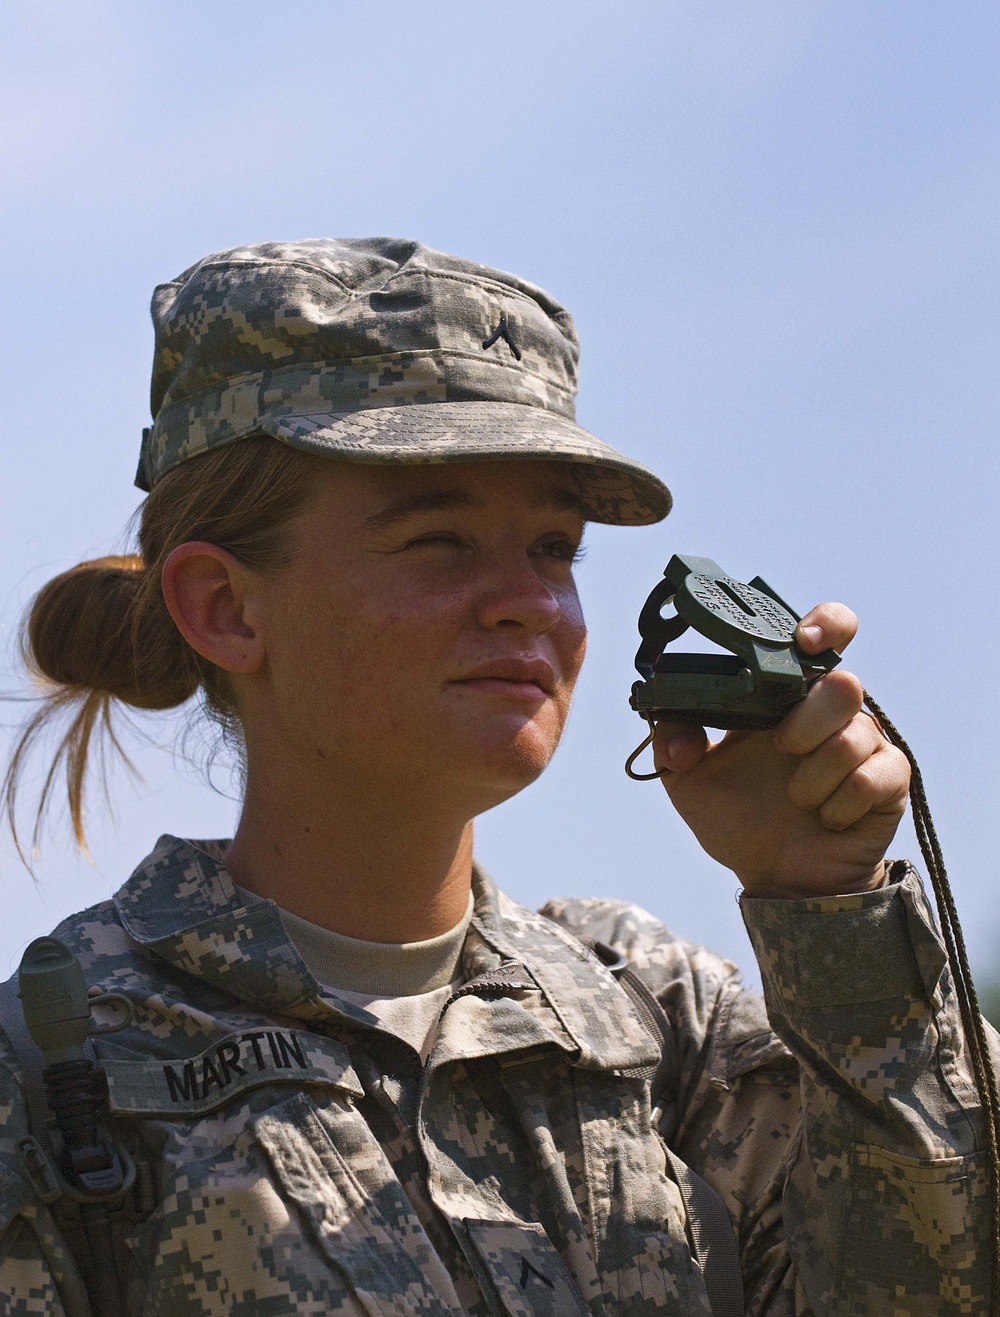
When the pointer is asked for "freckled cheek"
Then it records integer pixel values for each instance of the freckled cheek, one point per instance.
(321, 650)
(358, 649)
(413, 635)
(571, 641)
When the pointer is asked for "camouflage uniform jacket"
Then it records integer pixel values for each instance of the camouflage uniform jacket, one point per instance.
(840, 1127)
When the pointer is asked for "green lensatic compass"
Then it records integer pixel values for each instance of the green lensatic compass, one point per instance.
(751, 687)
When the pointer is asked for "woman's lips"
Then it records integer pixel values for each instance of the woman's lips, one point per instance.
(520, 690)
(517, 679)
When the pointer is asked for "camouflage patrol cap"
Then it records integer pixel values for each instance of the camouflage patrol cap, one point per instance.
(376, 350)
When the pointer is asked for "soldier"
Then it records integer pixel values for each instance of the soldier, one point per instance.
(359, 1079)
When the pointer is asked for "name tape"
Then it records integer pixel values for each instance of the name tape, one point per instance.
(233, 1064)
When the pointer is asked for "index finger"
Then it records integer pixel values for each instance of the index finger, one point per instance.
(827, 626)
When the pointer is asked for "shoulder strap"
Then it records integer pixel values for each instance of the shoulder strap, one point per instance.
(37, 1153)
(714, 1243)
(30, 1059)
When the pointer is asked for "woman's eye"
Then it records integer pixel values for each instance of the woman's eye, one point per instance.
(563, 550)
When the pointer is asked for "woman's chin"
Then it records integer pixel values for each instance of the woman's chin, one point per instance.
(502, 770)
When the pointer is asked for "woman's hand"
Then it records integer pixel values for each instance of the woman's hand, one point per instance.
(807, 809)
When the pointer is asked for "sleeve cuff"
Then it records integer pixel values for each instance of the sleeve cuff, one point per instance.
(845, 950)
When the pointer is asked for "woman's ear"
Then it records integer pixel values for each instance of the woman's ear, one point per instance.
(205, 589)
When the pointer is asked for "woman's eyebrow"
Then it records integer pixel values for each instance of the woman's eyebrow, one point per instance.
(433, 500)
(444, 500)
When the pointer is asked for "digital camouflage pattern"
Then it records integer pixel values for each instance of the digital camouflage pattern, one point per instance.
(376, 350)
(304, 1162)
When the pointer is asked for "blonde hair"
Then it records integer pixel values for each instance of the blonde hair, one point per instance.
(100, 633)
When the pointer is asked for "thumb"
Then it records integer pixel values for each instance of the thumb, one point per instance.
(679, 747)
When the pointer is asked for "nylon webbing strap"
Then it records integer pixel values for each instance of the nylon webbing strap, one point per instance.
(713, 1240)
(73, 1291)
(30, 1059)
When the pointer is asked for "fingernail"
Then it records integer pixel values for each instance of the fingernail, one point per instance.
(676, 746)
(813, 634)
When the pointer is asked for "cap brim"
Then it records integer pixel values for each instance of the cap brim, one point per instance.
(612, 488)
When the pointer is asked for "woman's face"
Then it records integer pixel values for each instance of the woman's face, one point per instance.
(427, 634)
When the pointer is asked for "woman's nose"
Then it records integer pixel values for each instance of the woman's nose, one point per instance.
(515, 596)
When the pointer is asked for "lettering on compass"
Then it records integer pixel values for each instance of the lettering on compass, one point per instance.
(745, 607)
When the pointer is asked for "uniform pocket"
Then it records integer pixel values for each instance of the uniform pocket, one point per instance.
(329, 1165)
(912, 1242)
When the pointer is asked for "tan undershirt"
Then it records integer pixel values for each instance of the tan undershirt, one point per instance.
(404, 985)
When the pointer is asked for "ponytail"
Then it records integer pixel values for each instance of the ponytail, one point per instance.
(100, 634)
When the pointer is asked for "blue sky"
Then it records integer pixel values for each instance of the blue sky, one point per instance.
(776, 227)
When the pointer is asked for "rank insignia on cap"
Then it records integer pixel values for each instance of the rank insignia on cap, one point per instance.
(503, 331)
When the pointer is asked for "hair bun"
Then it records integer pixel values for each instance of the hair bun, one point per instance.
(101, 633)
(80, 635)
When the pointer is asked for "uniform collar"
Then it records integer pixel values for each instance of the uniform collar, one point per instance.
(183, 906)
(591, 1005)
